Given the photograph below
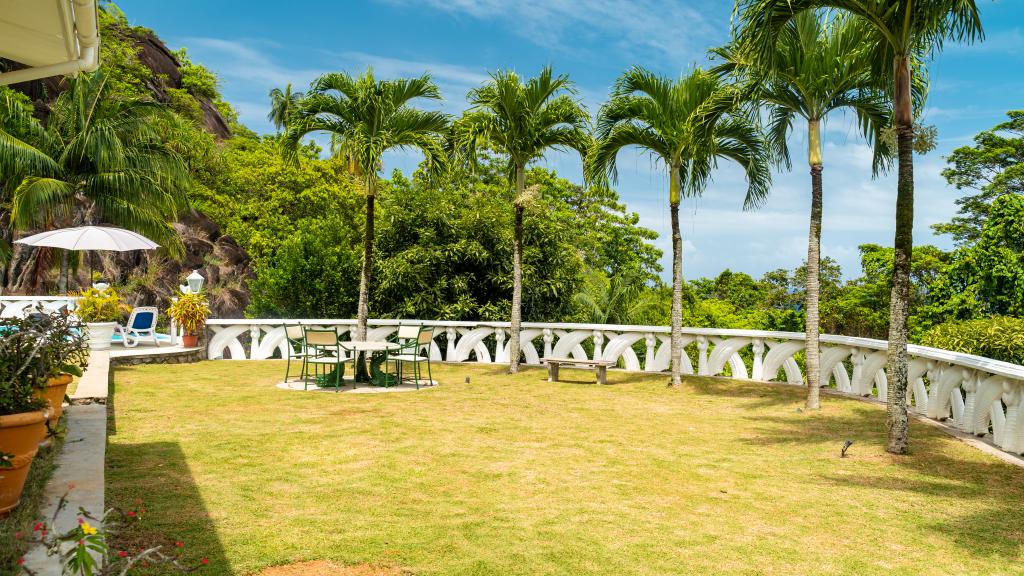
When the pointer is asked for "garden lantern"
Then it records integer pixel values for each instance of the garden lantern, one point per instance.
(195, 282)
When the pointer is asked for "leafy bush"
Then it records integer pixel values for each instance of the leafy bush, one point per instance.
(998, 337)
(190, 312)
(33, 349)
(196, 78)
(99, 306)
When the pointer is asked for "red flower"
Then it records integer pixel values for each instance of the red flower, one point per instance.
(21, 561)
(38, 527)
(205, 561)
(131, 514)
(122, 554)
(71, 485)
(81, 542)
(179, 544)
(81, 521)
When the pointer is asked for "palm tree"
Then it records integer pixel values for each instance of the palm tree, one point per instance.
(819, 66)
(522, 121)
(99, 159)
(688, 124)
(903, 33)
(282, 104)
(370, 117)
(623, 298)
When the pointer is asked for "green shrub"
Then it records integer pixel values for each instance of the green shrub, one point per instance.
(99, 306)
(998, 337)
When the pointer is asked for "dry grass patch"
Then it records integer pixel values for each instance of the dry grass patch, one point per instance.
(515, 475)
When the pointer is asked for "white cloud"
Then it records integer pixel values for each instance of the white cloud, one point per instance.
(672, 31)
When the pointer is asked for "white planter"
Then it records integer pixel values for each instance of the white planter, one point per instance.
(100, 334)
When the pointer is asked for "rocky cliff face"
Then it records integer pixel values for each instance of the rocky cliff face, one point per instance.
(147, 278)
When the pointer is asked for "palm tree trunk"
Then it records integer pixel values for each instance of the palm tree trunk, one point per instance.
(899, 305)
(363, 313)
(517, 275)
(677, 276)
(812, 326)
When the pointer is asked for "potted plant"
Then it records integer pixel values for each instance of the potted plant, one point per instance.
(62, 356)
(100, 309)
(23, 413)
(190, 311)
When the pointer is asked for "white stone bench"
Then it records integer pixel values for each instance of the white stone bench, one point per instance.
(599, 366)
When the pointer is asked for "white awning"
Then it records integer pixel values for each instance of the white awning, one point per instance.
(53, 37)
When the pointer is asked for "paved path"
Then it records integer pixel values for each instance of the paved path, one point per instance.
(81, 463)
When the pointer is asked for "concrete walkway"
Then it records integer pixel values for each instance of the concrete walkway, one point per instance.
(80, 463)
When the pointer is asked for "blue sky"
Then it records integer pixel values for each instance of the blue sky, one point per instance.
(254, 46)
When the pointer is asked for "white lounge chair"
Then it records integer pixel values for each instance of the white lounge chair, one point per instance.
(141, 324)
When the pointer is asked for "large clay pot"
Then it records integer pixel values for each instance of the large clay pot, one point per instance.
(100, 334)
(190, 341)
(53, 392)
(20, 435)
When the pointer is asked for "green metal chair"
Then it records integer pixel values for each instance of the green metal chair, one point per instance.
(413, 339)
(295, 339)
(324, 349)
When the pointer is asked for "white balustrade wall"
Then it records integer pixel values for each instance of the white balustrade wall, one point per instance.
(978, 395)
(12, 306)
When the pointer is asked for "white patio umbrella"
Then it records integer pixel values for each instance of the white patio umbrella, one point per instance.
(90, 238)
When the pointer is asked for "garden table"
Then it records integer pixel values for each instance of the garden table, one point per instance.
(378, 351)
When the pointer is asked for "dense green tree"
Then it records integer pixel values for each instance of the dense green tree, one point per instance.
(992, 167)
(903, 33)
(688, 124)
(370, 116)
(522, 121)
(986, 278)
(99, 159)
(820, 66)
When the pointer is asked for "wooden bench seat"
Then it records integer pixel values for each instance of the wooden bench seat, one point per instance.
(599, 366)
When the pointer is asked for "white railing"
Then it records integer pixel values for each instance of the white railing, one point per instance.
(12, 306)
(980, 395)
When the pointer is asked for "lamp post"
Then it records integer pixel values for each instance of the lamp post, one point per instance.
(195, 282)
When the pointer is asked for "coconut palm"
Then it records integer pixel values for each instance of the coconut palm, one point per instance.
(282, 103)
(819, 67)
(903, 33)
(370, 117)
(99, 159)
(522, 120)
(689, 125)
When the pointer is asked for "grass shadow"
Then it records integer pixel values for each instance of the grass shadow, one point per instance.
(988, 491)
(757, 394)
(157, 474)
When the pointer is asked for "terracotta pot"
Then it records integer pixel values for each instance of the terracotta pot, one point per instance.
(53, 392)
(190, 340)
(19, 435)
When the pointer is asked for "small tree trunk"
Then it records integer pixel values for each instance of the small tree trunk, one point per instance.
(899, 305)
(517, 275)
(813, 323)
(62, 280)
(677, 277)
(363, 313)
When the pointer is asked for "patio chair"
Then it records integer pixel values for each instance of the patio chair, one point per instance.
(413, 339)
(295, 344)
(141, 324)
(323, 349)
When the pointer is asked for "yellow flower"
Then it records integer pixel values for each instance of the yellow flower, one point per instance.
(87, 529)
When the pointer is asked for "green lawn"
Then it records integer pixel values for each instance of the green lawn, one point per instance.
(515, 475)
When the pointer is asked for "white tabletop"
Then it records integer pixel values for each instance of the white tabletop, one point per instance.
(370, 346)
